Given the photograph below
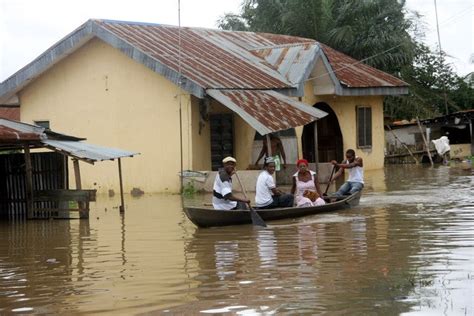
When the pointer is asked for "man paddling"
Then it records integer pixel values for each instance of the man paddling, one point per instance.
(355, 182)
(223, 198)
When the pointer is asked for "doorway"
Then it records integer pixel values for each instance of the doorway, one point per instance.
(329, 137)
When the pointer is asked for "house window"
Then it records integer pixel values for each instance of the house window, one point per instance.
(364, 126)
(44, 124)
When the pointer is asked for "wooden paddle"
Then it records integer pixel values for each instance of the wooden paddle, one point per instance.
(330, 179)
(256, 219)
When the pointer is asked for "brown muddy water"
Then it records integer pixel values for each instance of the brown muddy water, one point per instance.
(407, 249)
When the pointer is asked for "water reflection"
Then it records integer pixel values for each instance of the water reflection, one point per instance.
(408, 248)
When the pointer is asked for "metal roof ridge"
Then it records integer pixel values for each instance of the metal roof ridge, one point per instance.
(284, 45)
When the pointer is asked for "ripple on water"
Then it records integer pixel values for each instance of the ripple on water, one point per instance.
(406, 249)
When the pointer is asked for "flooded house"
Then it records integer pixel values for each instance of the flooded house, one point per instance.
(404, 139)
(187, 97)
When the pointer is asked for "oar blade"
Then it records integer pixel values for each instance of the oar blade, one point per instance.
(256, 219)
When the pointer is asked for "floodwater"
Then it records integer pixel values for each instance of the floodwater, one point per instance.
(407, 249)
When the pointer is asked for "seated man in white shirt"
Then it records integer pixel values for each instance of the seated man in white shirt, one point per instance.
(223, 198)
(267, 194)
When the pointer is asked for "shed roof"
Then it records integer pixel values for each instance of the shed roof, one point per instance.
(14, 134)
(456, 118)
(215, 59)
(88, 152)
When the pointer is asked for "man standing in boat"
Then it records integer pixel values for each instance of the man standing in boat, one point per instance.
(277, 151)
(355, 182)
(223, 198)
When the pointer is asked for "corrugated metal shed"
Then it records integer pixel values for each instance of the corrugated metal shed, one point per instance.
(87, 151)
(17, 133)
(267, 111)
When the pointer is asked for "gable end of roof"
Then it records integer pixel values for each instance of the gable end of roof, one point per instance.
(45, 61)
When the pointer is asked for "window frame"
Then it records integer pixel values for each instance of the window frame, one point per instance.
(367, 127)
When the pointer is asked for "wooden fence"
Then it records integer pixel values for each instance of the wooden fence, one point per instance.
(49, 173)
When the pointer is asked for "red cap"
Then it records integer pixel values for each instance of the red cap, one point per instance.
(300, 161)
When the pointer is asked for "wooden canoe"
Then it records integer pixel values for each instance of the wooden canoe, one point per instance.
(209, 217)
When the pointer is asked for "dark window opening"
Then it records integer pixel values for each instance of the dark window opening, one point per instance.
(364, 126)
(44, 124)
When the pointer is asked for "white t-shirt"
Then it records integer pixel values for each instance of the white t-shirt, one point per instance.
(356, 174)
(263, 194)
(222, 187)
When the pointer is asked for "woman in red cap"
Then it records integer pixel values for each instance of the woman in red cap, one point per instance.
(305, 180)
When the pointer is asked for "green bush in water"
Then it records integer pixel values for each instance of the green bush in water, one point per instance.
(189, 189)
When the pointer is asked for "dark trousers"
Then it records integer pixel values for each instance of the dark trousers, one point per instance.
(284, 200)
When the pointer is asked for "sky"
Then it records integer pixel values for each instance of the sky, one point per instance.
(29, 27)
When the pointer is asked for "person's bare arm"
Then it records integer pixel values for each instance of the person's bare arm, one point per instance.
(276, 191)
(232, 197)
(357, 162)
(338, 172)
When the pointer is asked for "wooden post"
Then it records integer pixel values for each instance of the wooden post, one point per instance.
(472, 137)
(424, 140)
(403, 144)
(269, 146)
(29, 182)
(122, 204)
(316, 154)
(83, 212)
(269, 152)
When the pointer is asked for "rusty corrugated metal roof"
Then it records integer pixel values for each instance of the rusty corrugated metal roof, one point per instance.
(267, 111)
(17, 132)
(210, 64)
(14, 134)
(216, 59)
(354, 74)
(244, 60)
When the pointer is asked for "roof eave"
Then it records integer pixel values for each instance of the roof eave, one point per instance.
(74, 41)
(368, 91)
(148, 61)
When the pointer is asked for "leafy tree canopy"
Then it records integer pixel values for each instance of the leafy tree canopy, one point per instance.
(377, 32)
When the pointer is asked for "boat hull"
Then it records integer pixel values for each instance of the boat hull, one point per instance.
(209, 217)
